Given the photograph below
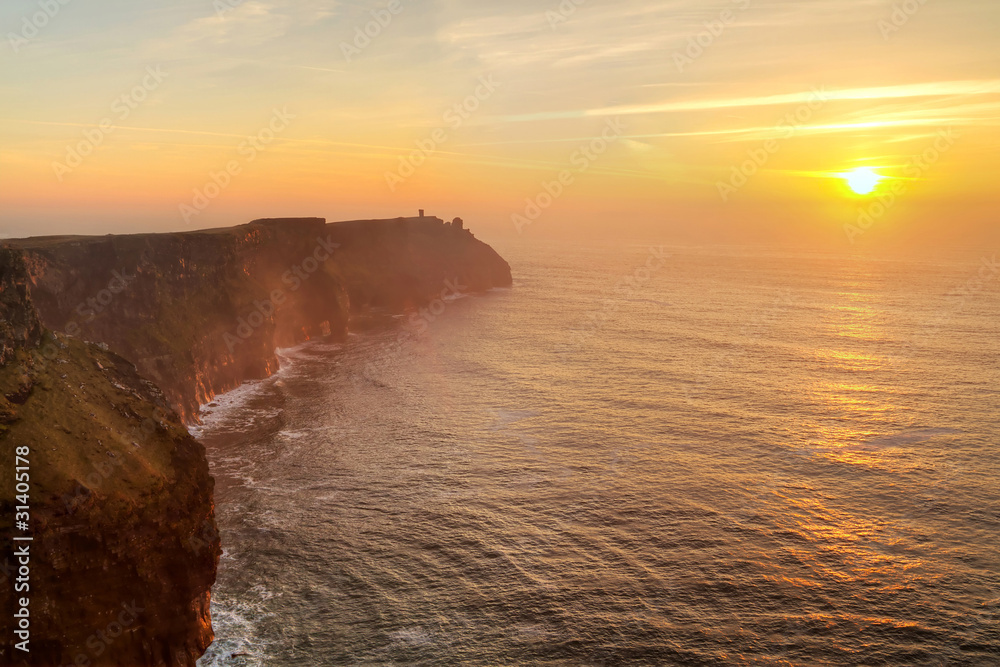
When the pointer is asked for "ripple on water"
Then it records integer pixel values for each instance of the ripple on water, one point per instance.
(716, 474)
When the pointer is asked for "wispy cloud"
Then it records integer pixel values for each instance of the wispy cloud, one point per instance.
(937, 89)
(558, 82)
(248, 24)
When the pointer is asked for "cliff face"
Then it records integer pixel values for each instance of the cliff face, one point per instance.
(124, 548)
(404, 263)
(173, 304)
(125, 544)
(200, 313)
(19, 325)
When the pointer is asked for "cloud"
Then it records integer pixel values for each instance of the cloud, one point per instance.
(936, 89)
(249, 24)
(236, 24)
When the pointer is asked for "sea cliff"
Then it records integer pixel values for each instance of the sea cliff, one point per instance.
(199, 313)
(108, 345)
(119, 510)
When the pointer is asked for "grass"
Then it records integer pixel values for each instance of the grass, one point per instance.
(89, 421)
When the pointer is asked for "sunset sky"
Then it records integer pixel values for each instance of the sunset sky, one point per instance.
(684, 92)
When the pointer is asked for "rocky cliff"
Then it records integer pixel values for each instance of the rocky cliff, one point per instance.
(200, 313)
(125, 545)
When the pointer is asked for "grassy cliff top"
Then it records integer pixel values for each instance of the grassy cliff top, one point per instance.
(305, 224)
(92, 425)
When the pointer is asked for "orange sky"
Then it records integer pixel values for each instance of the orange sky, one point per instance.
(187, 115)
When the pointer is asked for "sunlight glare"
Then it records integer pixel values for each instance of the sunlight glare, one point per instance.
(862, 180)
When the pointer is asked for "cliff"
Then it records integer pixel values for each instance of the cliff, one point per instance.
(125, 545)
(199, 313)
(404, 263)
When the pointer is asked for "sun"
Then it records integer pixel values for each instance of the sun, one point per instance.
(862, 180)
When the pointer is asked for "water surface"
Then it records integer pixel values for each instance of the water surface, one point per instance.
(720, 456)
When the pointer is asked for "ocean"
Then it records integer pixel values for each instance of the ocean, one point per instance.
(638, 455)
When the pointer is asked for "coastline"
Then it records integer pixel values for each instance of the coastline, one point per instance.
(204, 317)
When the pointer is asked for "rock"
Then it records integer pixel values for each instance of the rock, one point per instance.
(19, 322)
(8, 413)
(199, 313)
(112, 525)
(127, 521)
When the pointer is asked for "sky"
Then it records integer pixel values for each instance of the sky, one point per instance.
(701, 120)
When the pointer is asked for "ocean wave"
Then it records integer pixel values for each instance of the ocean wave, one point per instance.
(237, 640)
(468, 498)
(215, 412)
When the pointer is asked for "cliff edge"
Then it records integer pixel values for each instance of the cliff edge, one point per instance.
(119, 503)
(107, 346)
(199, 313)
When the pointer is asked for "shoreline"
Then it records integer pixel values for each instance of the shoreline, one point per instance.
(165, 335)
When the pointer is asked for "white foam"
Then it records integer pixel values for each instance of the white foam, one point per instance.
(213, 412)
(231, 399)
(236, 637)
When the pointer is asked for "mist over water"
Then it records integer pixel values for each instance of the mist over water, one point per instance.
(634, 456)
